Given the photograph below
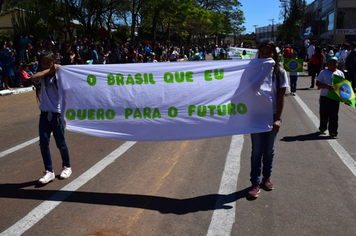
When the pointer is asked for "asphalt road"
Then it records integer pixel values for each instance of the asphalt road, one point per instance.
(179, 188)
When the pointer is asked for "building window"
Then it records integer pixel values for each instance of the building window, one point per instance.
(340, 20)
(346, 20)
(331, 21)
(323, 25)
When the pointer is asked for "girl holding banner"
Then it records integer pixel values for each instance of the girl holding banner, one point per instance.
(50, 118)
(263, 144)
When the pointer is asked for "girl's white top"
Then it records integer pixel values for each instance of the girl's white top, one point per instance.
(283, 83)
(49, 95)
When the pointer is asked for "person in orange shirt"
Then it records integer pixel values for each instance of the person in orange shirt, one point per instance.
(287, 52)
(316, 64)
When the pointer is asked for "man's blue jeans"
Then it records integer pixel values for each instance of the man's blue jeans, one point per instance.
(263, 145)
(46, 127)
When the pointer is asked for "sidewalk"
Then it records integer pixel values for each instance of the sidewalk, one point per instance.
(16, 90)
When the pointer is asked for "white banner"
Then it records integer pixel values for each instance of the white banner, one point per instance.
(167, 101)
(235, 52)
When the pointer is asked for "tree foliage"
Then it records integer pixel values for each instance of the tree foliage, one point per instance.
(163, 20)
(289, 30)
(29, 21)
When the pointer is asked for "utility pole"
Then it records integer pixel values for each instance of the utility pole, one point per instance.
(272, 28)
(255, 34)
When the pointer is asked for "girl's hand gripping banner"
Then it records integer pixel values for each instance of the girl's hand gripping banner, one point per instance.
(167, 101)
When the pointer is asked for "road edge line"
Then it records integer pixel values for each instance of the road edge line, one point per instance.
(222, 220)
(47, 206)
(340, 151)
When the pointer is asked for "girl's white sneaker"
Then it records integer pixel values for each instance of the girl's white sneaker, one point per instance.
(47, 177)
(66, 172)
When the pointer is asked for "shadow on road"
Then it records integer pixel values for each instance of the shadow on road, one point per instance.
(304, 75)
(164, 205)
(305, 137)
(303, 88)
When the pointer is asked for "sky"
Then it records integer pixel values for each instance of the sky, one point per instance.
(261, 12)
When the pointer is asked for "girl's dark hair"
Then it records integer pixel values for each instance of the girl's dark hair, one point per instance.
(277, 69)
(49, 55)
(46, 54)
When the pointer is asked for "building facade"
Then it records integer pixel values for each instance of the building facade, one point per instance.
(266, 32)
(5, 21)
(7, 27)
(331, 21)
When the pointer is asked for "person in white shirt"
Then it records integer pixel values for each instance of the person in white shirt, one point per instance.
(50, 119)
(329, 108)
(152, 58)
(342, 56)
(311, 50)
(331, 50)
(173, 54)
(216, 51)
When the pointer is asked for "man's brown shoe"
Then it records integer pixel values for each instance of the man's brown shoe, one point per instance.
(254, 191)
(266, 184)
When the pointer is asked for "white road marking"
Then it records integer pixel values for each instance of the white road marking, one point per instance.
(340, 151)
(18, 147)
(223, 219)
(47, 206)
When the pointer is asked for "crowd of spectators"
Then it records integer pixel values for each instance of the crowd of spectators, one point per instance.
(18, 58)
(317, 56)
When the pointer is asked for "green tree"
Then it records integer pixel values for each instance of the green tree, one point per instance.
(176, 18)
(227, 17)
(29, 20)
(289, 30)
(163, 16)
(151, 14)
(182, 20)
(1, 5)
(6, 5)
(199, 24)
(135, 8)
(92, 14)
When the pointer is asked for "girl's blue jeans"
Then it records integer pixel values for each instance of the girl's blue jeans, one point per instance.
(48, 125)
(293, 83)
(263, 145)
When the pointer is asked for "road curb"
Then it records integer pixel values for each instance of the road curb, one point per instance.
(16, 91)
